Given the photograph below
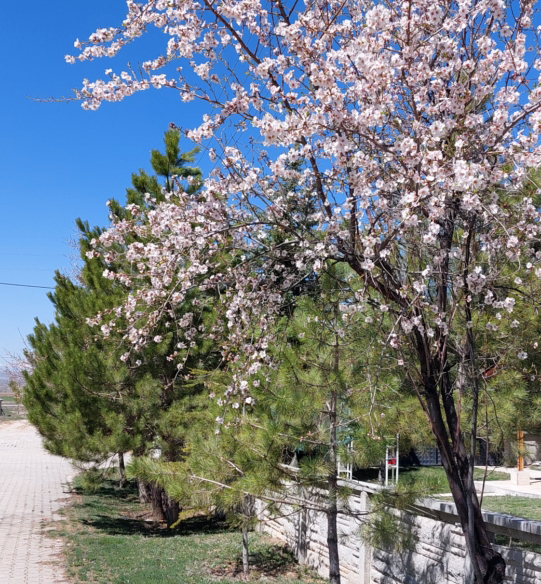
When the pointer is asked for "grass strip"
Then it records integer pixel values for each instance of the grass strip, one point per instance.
(524, 507)
(111, 539)
(429, 478)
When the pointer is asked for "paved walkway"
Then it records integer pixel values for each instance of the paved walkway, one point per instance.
(511, 487)
(31, 489)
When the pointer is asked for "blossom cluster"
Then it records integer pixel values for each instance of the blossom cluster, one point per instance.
(399, 137)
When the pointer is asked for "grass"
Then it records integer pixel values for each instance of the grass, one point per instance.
(521, 507)
(526, 546)
(431, 479)
(8, 398)
(525, 507)
(110, 539)
(11, 412)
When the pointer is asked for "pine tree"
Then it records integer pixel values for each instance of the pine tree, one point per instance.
(313, 411)
(71, 394)
(88, 393)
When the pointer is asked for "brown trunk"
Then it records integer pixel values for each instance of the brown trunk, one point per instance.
(144, 491)
(163, 507)
(172, 510)
(158, 511)
(435, 389)
(332, 479)
(245, 555)
(332, 538)
(488, 565)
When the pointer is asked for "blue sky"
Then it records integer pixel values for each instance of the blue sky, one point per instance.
(57, 161)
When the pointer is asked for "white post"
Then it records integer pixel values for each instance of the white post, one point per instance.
(397, 455)
(387, 466)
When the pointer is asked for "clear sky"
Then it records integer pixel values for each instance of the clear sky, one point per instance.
(57, 161)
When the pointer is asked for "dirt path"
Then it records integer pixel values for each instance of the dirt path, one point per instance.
(31, 490)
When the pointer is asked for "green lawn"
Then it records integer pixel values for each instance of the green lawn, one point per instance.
(8, 398)
(434, 476)
(525, 507)
(432, 479)
(11, 413)
(109, 540)
(522, 507)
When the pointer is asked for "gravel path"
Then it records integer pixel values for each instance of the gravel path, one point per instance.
(31, 489)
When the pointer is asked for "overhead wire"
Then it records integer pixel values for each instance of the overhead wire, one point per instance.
(26, 285)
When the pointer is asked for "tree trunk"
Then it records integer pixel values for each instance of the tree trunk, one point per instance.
(247, 511)
(332, 479)
(332, 542)
(144, 491)
(172, 510)
(121, 470)
(245, 556)
(163, 507)
(435, 391)
(488, 565)
(157, 504)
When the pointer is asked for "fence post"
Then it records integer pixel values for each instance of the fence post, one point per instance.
(365, 551)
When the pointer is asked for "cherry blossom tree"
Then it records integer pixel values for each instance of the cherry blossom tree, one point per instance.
(14, 368)
(416, 124)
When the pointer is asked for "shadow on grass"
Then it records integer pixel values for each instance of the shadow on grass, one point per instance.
(110, 491)
(128, 526)
(116, 511)
(122, 525)
(273, 561)
(203, 524)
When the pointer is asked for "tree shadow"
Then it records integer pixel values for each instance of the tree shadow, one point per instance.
(128, 526)
(202, 524)
(146, 527)
(269, 562)
(273, 561)
(110, 490)
(117, 511)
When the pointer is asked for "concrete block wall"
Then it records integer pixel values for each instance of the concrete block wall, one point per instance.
(438, 557)
(305, 533)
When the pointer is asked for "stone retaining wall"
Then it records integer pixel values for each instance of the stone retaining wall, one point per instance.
(438, 556)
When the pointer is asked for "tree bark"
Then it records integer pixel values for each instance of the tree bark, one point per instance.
(488, 565)
(332, 479)
(332, 539)
(158, 512)
(245, 555)
(163, 507)
(172, 510)
(143, 491)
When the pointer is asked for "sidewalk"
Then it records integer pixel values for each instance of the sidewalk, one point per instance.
(31, 490)
(509, 487)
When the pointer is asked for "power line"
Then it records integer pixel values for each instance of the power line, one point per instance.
(26, 285)
(29, 254)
